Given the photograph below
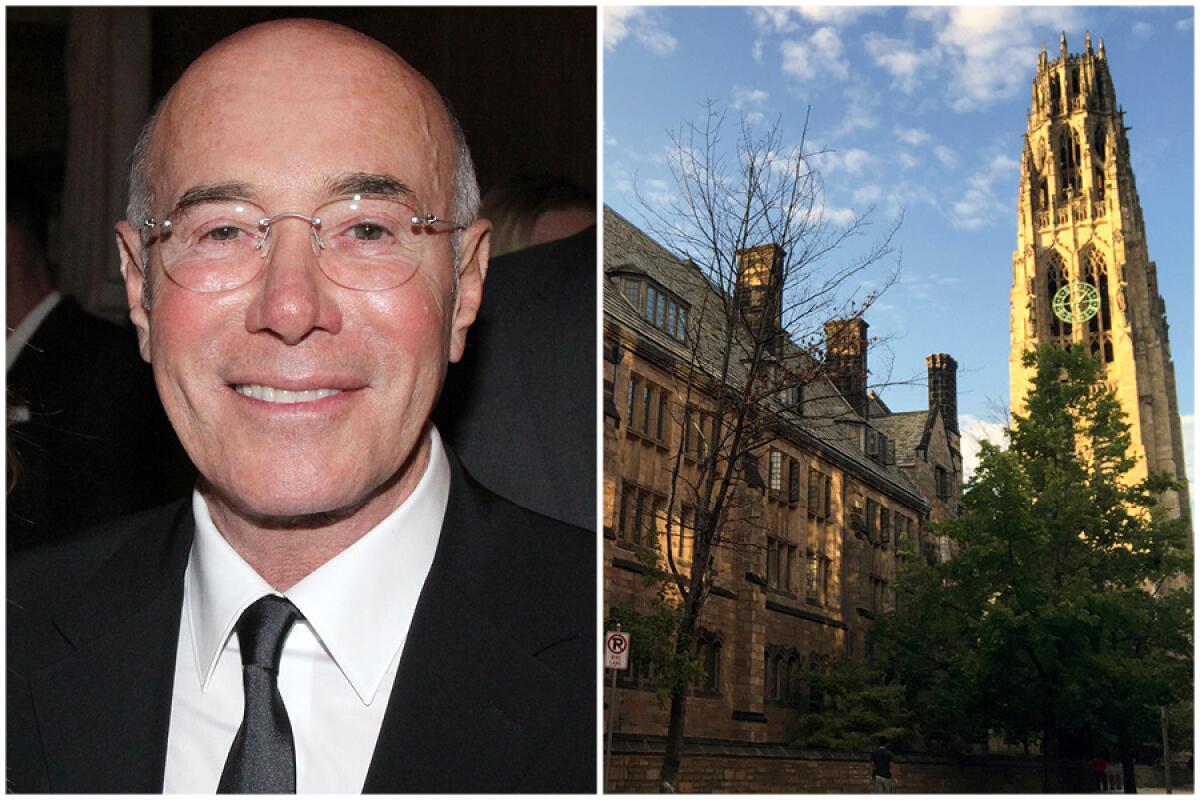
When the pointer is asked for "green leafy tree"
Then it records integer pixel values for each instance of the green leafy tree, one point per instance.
(858, 705)
(1053, 617)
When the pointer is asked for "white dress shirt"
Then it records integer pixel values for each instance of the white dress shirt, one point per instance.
(338, 664)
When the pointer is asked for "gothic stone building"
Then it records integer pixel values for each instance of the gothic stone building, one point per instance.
(844, 490)
(1082, 271)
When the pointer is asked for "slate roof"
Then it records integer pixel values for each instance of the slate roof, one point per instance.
(629, 250)
(909, 429)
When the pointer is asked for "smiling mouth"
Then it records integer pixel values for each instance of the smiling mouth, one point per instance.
(269, 394)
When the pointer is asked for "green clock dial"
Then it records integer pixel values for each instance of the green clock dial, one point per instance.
(1076, 302)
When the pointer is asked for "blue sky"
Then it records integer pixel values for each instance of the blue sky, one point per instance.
(924, 109)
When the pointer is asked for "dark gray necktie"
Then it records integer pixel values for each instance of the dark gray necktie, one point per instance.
(263, 756)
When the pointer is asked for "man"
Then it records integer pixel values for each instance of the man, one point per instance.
(881, 768)
(302, 259)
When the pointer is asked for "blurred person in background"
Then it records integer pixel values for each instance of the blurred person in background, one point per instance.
(82, 411)
(536, 209)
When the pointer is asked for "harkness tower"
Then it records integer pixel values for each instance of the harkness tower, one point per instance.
(1082, 270)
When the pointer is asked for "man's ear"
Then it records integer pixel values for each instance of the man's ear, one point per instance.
(472, 267)
(129, 246)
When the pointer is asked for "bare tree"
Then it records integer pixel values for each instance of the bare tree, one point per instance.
(752, 220)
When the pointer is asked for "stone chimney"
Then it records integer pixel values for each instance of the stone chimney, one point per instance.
(943, 387)
(846, 360)
(760, 285)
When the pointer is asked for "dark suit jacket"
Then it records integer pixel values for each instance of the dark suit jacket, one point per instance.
(520, 408)
(92, 442)
(495, 691)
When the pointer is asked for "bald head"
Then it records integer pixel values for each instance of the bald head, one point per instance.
(272, 82)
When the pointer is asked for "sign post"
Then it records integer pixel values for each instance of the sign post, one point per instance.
(616, 657)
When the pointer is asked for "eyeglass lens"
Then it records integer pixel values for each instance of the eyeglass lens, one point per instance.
(364, 243)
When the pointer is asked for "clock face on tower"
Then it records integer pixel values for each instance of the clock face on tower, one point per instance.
(1076, 302)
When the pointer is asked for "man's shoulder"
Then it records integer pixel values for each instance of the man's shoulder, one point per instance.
(75, 559)
(532, 577)
(530, 557)
(45, 580)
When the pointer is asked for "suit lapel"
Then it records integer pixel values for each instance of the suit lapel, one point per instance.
(465, 690)
(104, 709)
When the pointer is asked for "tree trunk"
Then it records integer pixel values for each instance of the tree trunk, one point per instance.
(1049, 749)
(674, 747)
(1127, 767)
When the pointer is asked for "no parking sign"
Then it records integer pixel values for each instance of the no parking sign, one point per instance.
(616, 650)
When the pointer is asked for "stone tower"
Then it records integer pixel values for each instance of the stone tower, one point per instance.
(1082, 270)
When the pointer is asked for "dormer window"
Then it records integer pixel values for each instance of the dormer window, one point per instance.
(791, 398)
(659, 307)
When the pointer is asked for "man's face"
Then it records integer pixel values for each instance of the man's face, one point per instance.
(287, 119)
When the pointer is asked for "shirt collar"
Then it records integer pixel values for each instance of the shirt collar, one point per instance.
(383, 571)
(19, 336)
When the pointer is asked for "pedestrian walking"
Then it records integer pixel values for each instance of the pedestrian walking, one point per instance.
(1100, 772)
(881, 768)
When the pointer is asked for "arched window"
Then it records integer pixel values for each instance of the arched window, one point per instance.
(1100, 326)
(1068, 163)
(1055, 96)
(1056, 278)
(712, 667)
(708, 650)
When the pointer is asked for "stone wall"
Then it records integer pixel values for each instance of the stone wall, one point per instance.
(745, 768)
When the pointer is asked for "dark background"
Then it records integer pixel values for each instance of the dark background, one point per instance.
(522, 80)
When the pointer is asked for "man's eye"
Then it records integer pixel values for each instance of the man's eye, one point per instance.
(224, 233)
(368, 231)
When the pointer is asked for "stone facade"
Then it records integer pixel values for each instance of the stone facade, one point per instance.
(816, 534)
(1079, 220)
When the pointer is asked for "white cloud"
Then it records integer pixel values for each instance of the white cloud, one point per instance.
(973, 431)
(742, 97)
(753, 117)
(820, 54)
(907, 159)
(832, 15)
(657, 192)
(643, 24)
(1184, 24)
(773, 19)
(979, 204)
(851, 161)
(1142, 30)
(785, 19)
(911, 136)
(838, 216)
(860, 111)
(987, 49)
(756, 51)
(868, 194)
(946, 156)
(906, 63)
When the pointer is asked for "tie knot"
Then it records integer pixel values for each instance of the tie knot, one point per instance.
(263, 627)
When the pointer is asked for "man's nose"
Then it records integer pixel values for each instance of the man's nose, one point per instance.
(293, 297)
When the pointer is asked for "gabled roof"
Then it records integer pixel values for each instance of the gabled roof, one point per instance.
(910, 430)
(627, 250)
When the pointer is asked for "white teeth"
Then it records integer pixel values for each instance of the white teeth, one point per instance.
(270, 394)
